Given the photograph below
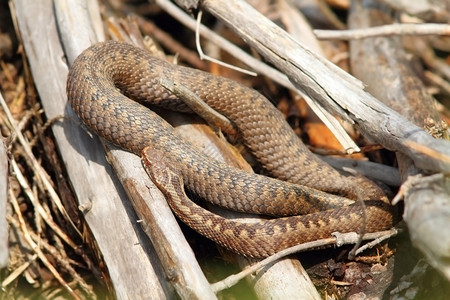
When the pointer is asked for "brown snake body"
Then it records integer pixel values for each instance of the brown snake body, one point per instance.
(104, 78)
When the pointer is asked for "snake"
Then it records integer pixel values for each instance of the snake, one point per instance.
(112, 87)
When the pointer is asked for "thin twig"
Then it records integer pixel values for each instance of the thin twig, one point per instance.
(203, 56)
(393, 232)
(339, 239)
(385, 30)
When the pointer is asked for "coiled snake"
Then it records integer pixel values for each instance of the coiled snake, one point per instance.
(105, 77)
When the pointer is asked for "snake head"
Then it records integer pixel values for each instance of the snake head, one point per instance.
(156, 165)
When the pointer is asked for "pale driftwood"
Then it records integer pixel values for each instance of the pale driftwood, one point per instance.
(383, 65)
(4, 253)
(330, 86)
(180, 266)
(121, 245)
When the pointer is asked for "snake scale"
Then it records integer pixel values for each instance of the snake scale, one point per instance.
(107, 85)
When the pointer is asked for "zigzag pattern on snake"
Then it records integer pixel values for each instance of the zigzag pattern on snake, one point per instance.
(103, 80)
